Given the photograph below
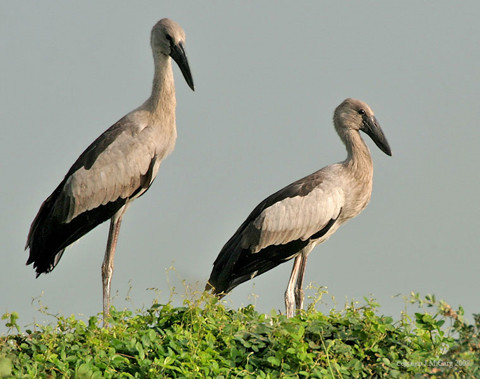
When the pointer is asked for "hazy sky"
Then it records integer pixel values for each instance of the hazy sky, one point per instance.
(268, 76)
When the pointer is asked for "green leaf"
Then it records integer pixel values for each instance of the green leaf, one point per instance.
(274, 361)
(5, 367)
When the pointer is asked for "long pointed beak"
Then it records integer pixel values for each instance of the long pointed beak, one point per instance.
(373, 129)
(178, 54)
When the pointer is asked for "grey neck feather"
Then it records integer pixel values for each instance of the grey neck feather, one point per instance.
(162, 99)
(359, 160)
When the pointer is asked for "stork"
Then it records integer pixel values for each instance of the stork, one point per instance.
(291, 222)
(118, 167)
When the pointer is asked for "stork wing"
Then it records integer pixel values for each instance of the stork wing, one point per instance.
(121, 163)
(297, 212)
(279, 228)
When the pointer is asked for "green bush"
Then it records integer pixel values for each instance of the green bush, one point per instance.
(205, 339)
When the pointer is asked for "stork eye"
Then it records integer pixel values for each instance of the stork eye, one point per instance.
(362, 111)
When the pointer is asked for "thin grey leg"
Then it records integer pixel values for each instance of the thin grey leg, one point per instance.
(299, 294)
(107, 266)
(290, 292)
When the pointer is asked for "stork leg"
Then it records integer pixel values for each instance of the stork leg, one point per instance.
(107, 266)
(299, 294)
(294, 293)
(290, 298)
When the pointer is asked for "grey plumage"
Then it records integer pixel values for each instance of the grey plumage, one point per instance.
(292, 221)
(119, 166)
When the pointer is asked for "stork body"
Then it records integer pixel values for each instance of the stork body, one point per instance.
(291, 222)
(115, 169)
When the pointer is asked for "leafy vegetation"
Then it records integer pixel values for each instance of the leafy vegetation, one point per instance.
(205, 339)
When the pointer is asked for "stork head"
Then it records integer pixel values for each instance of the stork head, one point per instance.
(168, 38)
(353, 114)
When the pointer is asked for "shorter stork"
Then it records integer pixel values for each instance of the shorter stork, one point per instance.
(292, 221)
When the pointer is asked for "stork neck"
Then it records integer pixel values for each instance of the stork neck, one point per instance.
(358, 158)
(162, 99)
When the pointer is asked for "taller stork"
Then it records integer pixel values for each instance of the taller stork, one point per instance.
(292, 221)
(115, 169)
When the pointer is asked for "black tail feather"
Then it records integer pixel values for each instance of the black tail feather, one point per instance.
(236, 265)
(49, 235)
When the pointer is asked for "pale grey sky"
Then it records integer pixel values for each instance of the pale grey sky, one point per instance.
(268, 76)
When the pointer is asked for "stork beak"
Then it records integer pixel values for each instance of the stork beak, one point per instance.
(373, 129)
(178, 54)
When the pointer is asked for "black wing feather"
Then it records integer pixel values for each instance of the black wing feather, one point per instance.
(235, 265)
(49, 234)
